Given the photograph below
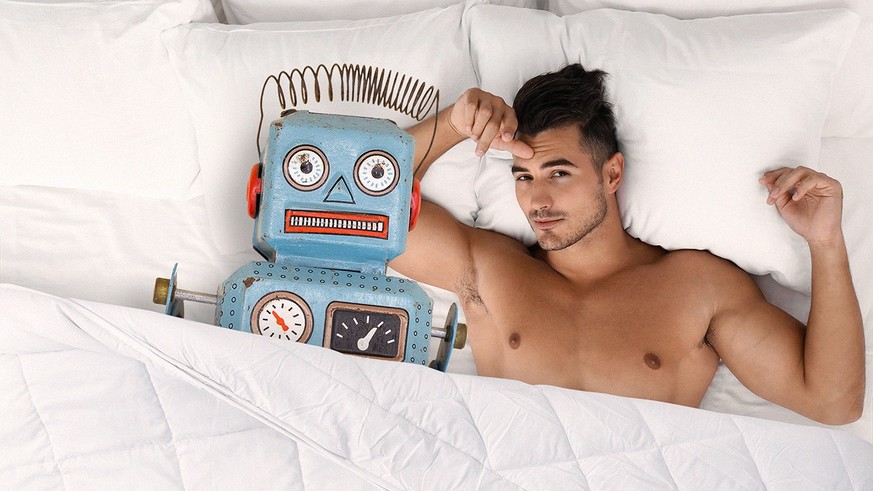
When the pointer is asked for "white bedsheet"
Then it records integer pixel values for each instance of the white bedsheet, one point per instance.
(102, 396)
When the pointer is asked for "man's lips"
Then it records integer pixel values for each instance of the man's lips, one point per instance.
(545, 223)
(336, 223)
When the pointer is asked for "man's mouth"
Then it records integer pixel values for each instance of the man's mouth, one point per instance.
(544, 222)
(336, 223)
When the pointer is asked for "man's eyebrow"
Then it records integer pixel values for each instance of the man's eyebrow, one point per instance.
(557, 163)
(546, 165)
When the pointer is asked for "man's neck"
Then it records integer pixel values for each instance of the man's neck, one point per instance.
(607, 250)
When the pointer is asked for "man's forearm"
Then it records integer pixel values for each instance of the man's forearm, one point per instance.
(834, 346)
(429, 145)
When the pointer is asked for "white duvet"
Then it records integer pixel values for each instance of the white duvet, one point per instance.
(96, 396)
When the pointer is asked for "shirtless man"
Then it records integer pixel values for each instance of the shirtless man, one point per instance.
(591, 307)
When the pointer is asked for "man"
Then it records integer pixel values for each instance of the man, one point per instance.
(591, 307)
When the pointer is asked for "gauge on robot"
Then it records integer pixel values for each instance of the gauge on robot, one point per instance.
(282, 315)
(306, 167)
(376, 173)
(366, 330)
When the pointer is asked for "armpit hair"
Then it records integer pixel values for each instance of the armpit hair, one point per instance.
(466, 288)
(707, 339)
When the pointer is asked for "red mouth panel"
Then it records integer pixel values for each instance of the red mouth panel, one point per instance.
(334, 223)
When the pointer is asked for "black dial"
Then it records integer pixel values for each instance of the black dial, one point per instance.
(367, 330)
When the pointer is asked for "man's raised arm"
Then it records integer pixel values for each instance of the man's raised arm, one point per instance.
(818, 371)
(438, 250)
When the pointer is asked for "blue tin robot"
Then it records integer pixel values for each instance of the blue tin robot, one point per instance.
(333, 201)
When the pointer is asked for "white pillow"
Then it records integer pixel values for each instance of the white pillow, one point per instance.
(90, 100)
(223, 68)
(704, 107)
(851, 103)
(250, 11)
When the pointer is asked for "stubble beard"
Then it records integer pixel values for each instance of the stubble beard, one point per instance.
(550, 241)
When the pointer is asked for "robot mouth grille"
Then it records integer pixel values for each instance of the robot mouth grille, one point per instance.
(336, 223)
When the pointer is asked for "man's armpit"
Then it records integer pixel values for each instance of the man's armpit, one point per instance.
(467, 290)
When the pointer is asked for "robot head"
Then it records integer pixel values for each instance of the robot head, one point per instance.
(334, 192)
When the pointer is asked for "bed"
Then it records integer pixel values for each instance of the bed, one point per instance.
(128, 131)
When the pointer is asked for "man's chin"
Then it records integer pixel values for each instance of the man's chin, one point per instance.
(549, 242)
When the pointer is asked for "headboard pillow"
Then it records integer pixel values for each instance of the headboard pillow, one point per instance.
(250, 11)
(223, 68)
(90, 100)
(851, 102)
(704, 108)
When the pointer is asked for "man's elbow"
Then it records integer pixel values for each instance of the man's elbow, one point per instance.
(842, 411)
(855, 408)
(842, 416)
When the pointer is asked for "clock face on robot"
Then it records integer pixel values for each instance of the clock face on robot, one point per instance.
(376, 173)
(305, 167)
(282, 315)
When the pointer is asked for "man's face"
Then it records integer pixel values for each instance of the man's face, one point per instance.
(558, 188)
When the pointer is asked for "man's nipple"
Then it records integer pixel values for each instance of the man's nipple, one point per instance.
(514, 340)
(652, 361)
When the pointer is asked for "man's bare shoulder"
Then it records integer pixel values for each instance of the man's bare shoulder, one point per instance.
(494, 250)
(494, 241)
(697, 259)
(711, 274)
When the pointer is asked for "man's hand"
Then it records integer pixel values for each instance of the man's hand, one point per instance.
(487, 120)
(809, 201)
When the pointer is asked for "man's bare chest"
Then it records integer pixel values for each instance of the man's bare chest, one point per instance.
(639, 341)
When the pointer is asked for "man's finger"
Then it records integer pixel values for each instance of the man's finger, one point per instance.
(802, 187)
(787, 181)
(771, 176)
(489, 134)
(470, 108)
(819, 183)
(482, 118)
(520, 149)
(508, 126)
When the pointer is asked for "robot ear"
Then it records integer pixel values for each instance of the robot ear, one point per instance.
(414, 203)
(253, 190)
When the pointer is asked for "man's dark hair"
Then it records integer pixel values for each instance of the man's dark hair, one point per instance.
(570, 96)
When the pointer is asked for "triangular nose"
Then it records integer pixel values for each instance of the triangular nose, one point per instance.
(339, 193)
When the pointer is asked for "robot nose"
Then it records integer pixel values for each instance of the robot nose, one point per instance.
(340, 192)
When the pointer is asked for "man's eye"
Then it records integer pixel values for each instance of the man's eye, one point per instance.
(522, 178)
(560, 173)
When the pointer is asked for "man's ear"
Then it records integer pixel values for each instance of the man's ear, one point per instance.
(612, 172)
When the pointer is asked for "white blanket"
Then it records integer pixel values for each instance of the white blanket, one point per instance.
(101, 396)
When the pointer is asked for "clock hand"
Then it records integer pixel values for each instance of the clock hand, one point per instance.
(364, 342)
(280, 320)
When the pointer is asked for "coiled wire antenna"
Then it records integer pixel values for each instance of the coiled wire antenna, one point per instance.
(356, 83)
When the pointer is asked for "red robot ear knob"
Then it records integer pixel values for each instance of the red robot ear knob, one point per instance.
(253, 190)
(414, 204)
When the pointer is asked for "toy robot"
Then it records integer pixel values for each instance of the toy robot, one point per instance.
(333, 200)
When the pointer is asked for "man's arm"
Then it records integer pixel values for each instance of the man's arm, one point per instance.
(817, 371)
(440, 250)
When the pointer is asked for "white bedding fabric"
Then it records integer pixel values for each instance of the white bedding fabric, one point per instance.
(97, 396)
(109, 248)
(103, 394)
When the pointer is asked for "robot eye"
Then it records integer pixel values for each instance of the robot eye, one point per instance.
(306, 167)
(376, 173)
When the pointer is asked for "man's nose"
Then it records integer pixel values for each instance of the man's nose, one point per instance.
(540, 198)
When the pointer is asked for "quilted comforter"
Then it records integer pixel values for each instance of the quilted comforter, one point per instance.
(98, 396)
